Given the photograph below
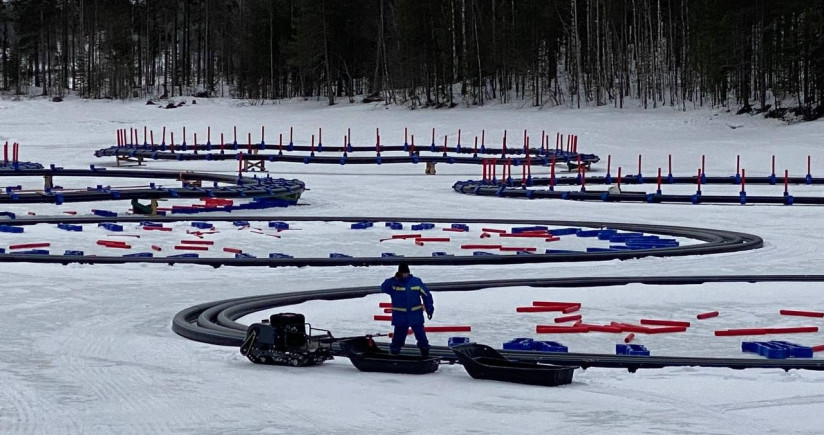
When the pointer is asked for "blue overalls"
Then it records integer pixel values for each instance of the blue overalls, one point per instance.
(410, 298)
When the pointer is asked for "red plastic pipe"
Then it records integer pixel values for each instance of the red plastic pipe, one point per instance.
(480, 246)
(432, 239)
(664, 322)
(233, 250)
(801, 313)
(629, 337)
(554, 303)
(537, 309)
(568, 318)
(746, 331)
(191, 248)
(383, 318)
(707, 315)
(30, 245)
(385, 304)
(571, 309)
(197, 242)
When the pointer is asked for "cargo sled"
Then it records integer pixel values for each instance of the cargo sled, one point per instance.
(367, 357)
(286, 339)
(484, 362)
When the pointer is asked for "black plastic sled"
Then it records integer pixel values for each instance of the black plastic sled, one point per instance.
(367, 357)
(283, 340)
(484, 362)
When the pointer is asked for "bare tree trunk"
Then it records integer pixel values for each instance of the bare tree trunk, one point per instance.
(481, 87)
(464, 66)
(376, 75)
(329, 94)
(454, 53)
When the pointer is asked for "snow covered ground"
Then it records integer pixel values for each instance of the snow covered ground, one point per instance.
(89, 349)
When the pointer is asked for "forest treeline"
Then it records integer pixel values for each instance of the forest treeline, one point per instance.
(750, 54)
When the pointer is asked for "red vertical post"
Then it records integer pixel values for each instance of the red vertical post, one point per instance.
(808, 164)
(145, 138)
(786, 182)
(262, 133)
(703, 162)
(609, 162)
(320, 136)
(222, 144)
(483, 133)
(6, 151)
(118, 137)
(433, 137)
(291, 135)
(151, 137)
(494, 166)
(737, 164)
(773, 164)
(184, 135)
(209, 134)
(619, 179)
(234, 134)
(377, 141)
(163, 138)
(575, 144)
(405, 136)
(195, 139)
(249, 144)
(639, 164)
(543, 139)
(559, 141)
(312, 147)
(280, 143)
(15, 152)
(412, 146)
(348, 136)
(669, 163)
(444, 145)
(583, 178)
(552, 173)
(526, 147)
(476, 148)
(459, 139)
(483, 168)
(659, 181)
(743, 180)
(172, 144)
(528, 163)
(503, 146)
(698, 182)
(523, 175)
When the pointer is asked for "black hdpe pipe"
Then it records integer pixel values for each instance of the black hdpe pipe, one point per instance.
(714, 242)
(216, 322)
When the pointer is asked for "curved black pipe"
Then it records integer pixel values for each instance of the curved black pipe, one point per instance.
(215, 322)
(289, 190)
(715, 241)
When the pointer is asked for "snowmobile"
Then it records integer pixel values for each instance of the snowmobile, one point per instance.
(286, 339)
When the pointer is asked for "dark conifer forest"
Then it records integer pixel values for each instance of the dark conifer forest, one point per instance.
(748, 55)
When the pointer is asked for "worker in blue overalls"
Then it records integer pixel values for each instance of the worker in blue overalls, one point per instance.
(410, 298)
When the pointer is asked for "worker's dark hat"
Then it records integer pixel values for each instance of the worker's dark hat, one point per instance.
(403, 268)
